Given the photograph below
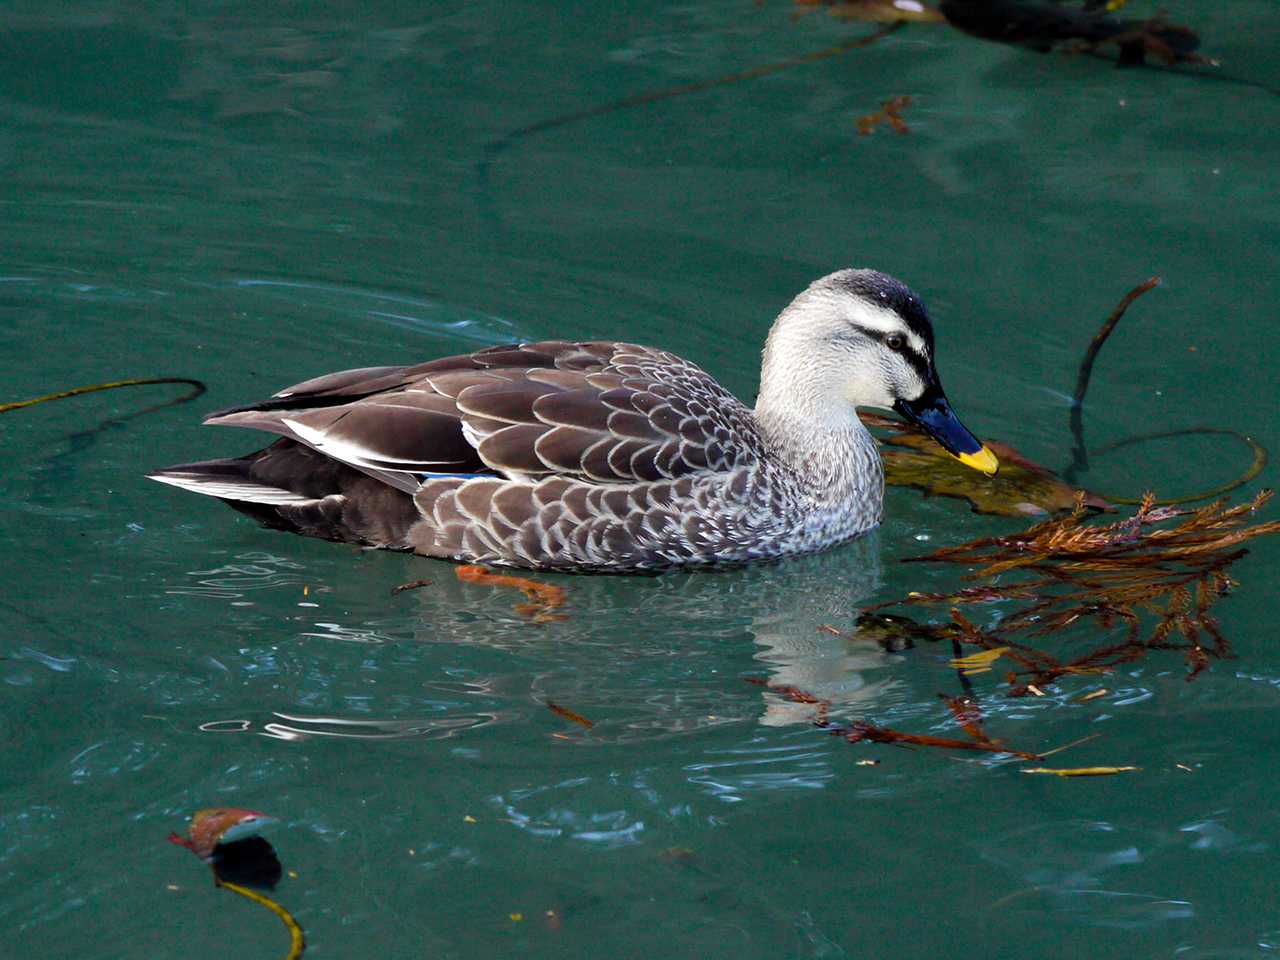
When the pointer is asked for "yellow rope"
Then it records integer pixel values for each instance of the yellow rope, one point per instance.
(297, 942)
(199, 388)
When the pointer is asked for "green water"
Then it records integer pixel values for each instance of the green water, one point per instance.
(252, 198)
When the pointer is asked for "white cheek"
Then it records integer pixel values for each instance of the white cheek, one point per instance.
(912, 386)
(868, 390)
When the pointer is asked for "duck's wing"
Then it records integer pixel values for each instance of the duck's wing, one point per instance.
(600, 411)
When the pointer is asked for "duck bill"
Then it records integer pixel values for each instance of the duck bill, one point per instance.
(934, 415)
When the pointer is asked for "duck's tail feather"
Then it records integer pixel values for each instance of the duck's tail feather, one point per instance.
(227, 480)
(288, 486)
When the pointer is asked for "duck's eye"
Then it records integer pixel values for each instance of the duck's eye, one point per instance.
(895, 341)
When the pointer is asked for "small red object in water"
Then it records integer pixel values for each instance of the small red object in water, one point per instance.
(219, 825)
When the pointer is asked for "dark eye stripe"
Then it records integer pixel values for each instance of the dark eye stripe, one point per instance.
(919, 363)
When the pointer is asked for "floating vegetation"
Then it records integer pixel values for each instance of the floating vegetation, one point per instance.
(571, 715)
(1080, 771)
(1155, 575)
(1079, 456)
(890, 112)
(1022, 488)
(297, 939)
(1162, 564)
(964, 709)
(980, 662)
(860, 730)
(226, 838)
(411, 585)
(197, 388)
(544, 598)
(81, 440)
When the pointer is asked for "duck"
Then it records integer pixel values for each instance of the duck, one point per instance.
(602, 456)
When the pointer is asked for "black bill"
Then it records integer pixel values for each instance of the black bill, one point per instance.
(932, 412)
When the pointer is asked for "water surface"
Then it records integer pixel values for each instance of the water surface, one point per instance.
(252, 198)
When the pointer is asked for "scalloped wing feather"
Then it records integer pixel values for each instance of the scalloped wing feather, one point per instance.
(599, 411)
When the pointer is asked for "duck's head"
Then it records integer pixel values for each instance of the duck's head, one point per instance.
(860, 338)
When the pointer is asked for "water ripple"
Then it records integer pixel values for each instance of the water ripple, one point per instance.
(297, 728)
(258, 571)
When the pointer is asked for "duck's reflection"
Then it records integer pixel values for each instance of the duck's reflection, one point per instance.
(679, 641)
(650, 657)
(801, 599)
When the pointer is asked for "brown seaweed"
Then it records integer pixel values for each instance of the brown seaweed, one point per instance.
(822, 712)
(964, 709)
(860, 730)
(1022, 488)
(411, 585)
(890, 112)
(81, 440)
(197, 388)
(1079, 456)
(1155, 575)
(571, 715)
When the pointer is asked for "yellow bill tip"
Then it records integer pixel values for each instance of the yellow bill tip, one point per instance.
(983, 460)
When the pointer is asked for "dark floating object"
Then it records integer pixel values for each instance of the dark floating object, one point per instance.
(251, 862)
(1045, 25)
(225, 838)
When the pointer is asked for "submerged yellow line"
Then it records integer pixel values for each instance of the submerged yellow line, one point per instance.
(297, 942)
(96, 387)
